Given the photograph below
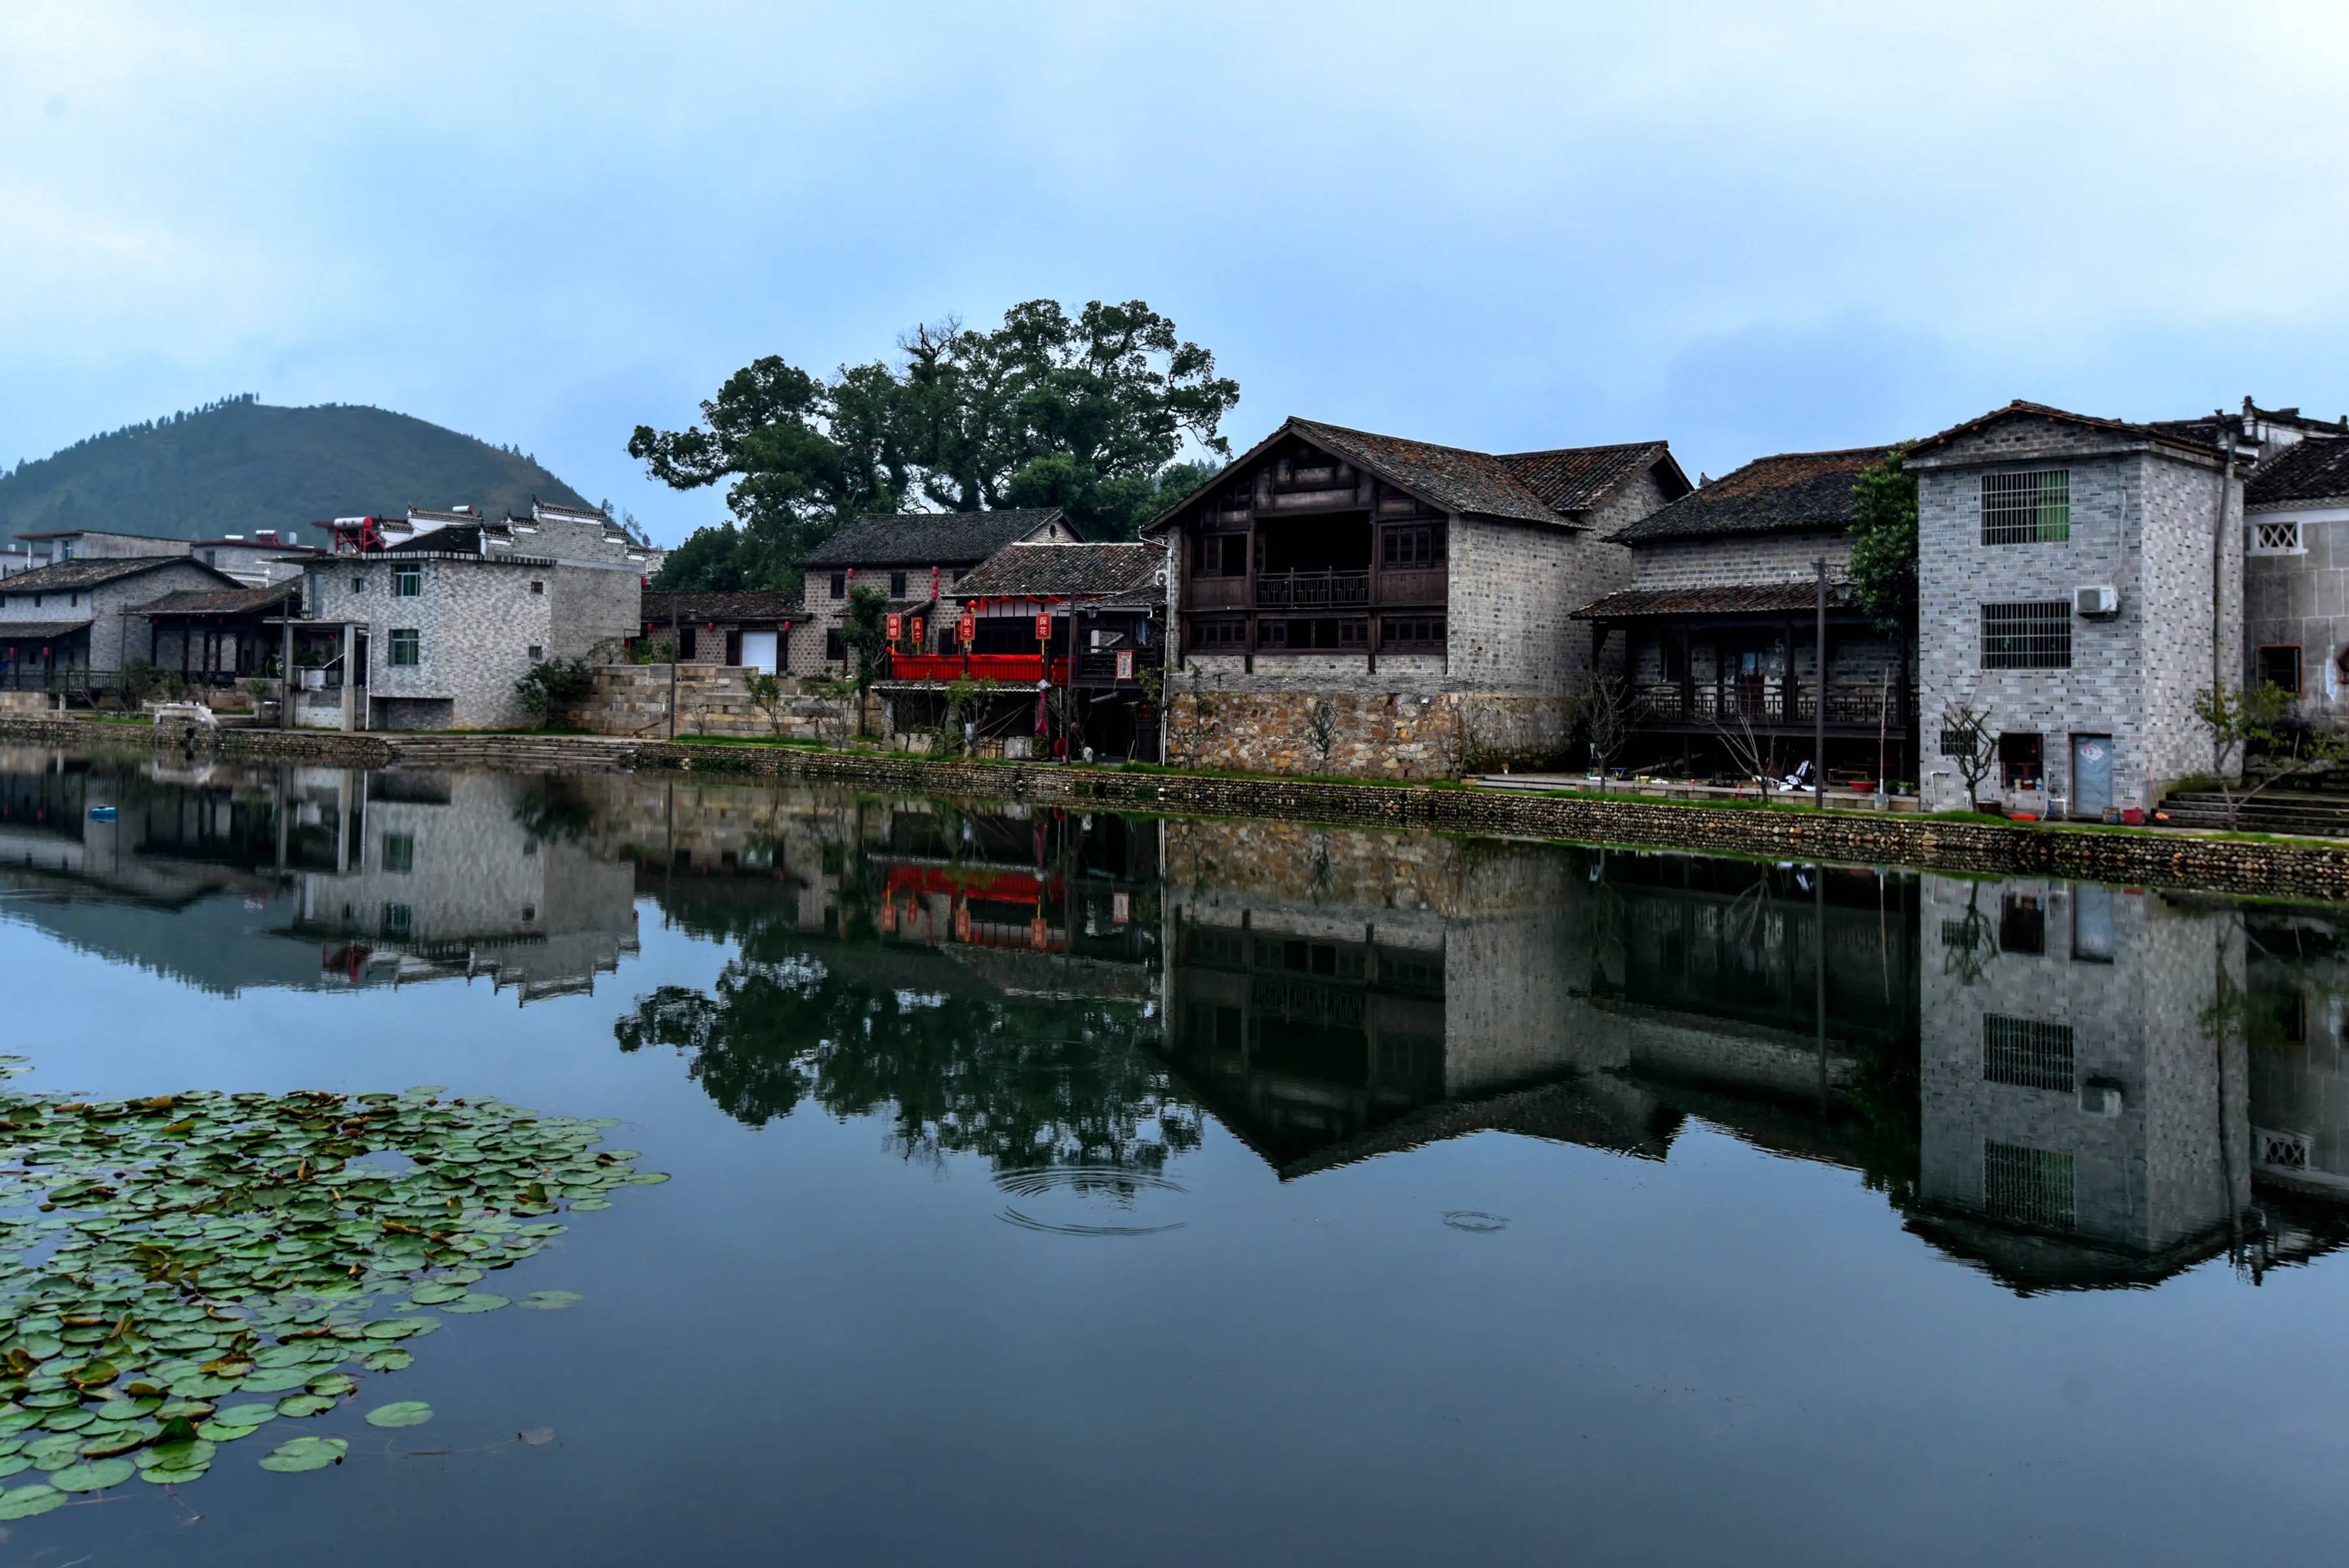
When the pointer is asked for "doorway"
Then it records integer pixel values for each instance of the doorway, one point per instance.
(759, 650)
(2091, 775)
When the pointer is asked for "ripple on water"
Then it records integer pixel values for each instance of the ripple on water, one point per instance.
(1080, 1183)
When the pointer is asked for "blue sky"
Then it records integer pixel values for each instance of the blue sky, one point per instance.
(1746, 228)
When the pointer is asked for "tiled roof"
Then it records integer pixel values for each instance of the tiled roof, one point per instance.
(1793, 492)
(219, 601)
(1724, 598)
(457, 539)
(2193, 434)
(2315, 469)
(91, 573)
(1578, 478)
(1055, 571)
(38, 631)
(928, 538)
(757, 604)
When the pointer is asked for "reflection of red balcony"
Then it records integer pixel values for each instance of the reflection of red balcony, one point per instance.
(1024, 669)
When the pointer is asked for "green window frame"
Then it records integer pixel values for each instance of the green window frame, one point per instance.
(406, 646)
(407, 582)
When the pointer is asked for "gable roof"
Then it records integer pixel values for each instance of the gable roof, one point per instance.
(90, 574)
(1552, 487)
(2315, 469)
(1792, 492)
(929, 538)
(2187, 435)
(748, 604)
(1052, 571)
(456, 539)
(219, 601)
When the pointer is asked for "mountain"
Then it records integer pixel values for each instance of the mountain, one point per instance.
(239, 465)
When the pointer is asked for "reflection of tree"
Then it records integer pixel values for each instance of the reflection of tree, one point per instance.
(1024, 1082)
(555, 810)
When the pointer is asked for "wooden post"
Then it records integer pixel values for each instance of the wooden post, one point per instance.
(1818, 716)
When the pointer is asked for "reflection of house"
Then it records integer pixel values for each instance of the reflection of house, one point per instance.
(1419, 595)
(1721, 627)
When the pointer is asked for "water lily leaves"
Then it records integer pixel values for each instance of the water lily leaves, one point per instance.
(126, 1409)
(278, 1379)
(12, 1463)
(93, 1475)
(433, 1294)
(551, 1301)
(305, 1454)
(478, 1301)
(53, 1453)
(247, 1415)
(399, 1328)
(393, 1359)
(93, 1373)
(24, 1501)
(304, 1404)
(18, 1421)
(332, 1383)
(190, 1454)
(401, 1413)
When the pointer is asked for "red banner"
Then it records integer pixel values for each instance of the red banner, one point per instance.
(1044, 627)
(968, 627)
(896, 626)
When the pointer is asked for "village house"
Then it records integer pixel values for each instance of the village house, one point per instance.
(747, 630)
(2296, 564)
(554, 532)
(1067, 641)
(1718, 640)
(1351, 603)
(432, 633)
(2080, 580)
(77, 621)
(912, 557)
(256, 561)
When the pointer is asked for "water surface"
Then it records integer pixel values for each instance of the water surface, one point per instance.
(1056, 1188)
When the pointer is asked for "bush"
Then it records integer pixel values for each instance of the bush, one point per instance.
(554, 683)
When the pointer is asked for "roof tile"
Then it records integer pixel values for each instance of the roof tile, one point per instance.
(928, 538)
(1793, 492)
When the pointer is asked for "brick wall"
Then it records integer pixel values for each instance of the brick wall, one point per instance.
(634, 700)
(1747, 558)
(1391, 735)
(2303, 600)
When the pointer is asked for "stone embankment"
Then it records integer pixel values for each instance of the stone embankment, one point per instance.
(2150, 858)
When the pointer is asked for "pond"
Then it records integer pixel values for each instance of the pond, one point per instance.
(612, 1168)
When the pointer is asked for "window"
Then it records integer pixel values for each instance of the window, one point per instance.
(2027, 508)
(2027, 1186)
(2275, 539)
(407, 582)
(1403, 631)
(2279, 665)
(688, 643)
(37, 601)
(2034, 635)
(1220, 555)
(397, 920)
(835, 646)
(400, 852)
(537, 653)
(839, 584)
(897, 585)
(406, 646)
(537, 586)
(1407, 547)
(358, 584)
(2023, 925)
(1219, 634)
(2021, 759)
(2026, 1053)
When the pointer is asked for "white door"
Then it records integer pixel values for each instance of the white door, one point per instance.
(759, 650)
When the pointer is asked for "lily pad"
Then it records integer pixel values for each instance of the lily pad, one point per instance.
(404, 1413)
(332, 1383)
(306, 1454)
(478, 1301)
(551, 1301)
(391, 1359)
(252, 1415)
(93, 1475)
(303, 1405)
(24, 1501)
(12, 1463)
(277, 1379)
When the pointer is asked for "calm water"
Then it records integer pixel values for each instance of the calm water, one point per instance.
(1058, 1189)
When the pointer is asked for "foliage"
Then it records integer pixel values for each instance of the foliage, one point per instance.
(1087, 412)
(555, 810)
(966, 696)
(2258, 722)
(190, 1247)
(843, 699)
(1884, 542)
(769, 696)
(552, 684)
(140, 681)
(865, 631)
(239, 465)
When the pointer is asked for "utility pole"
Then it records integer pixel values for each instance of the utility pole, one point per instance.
(1819, 701)
(676, 648)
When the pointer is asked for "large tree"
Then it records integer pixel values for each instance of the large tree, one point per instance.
(1086, 412)
(1884, 542)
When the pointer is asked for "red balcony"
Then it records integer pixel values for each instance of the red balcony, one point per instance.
(1005, 668)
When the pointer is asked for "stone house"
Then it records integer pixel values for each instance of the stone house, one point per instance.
(913, 557)
(433, 633)
(556, 532)
(750, 629)
(1720, 632)
(2296, 564)
(2079, 579)
(1102, 608)
(83, 616)
(1405, 603)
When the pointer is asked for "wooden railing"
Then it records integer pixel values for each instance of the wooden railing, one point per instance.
(1312, 590)
(1768, 700)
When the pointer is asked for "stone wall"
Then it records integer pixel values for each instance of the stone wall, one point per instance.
(1746, 558)
(1376, 734)
(1513, 587)
(632, 699)
(2302, 600)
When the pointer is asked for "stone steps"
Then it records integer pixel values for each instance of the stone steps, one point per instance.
(2299, 816)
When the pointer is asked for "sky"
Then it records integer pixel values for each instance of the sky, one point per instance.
(1742, 228)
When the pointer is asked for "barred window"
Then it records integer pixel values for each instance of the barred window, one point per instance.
(2275, 539)
(1402, 631)
(2027, 1186)
(2027, 508)
(2026, 1053)
(2034, 635)
(1226, 634)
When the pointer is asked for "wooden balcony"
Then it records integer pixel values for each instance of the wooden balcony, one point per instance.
(1769, 702)
(1003, 669)
(1312, 590)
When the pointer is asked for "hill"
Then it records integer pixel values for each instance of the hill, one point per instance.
(239, 465)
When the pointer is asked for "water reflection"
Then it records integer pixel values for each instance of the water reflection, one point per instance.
(2064, 1086)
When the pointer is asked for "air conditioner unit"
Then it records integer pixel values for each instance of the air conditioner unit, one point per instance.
(2100, 599)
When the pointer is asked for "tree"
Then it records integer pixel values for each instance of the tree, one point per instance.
(2258, 721)
(1966, 740)
(1321, 729)
(1086, 412)
(1884, 542)
(711, 560)
(864, 630)
(1604, 713)
(552, 684)
(769, 696)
